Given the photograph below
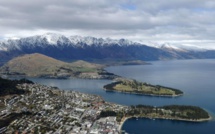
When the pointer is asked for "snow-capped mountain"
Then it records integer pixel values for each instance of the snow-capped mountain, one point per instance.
(182, 47)
(86, 48)
(176, 47)
(59, 40)
(99, 41)
(168, 46)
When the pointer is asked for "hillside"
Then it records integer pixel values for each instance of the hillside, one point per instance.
(8, 87)
(38, 65)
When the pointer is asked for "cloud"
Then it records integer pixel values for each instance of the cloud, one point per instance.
(154, 20)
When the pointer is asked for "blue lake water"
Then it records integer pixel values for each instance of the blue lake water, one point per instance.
(195, 77)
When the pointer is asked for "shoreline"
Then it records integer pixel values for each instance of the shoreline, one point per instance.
(124, 119)
(152, 95)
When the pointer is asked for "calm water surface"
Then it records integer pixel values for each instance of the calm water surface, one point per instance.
(195, 77)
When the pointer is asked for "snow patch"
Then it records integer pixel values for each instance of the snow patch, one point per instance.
(58, 40)
(176, 46)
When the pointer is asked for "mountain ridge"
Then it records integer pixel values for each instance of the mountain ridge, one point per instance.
(68, 48)
(57, 39)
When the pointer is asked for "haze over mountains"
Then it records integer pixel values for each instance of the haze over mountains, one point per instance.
(88, 48)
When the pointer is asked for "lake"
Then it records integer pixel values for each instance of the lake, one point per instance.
(196, 78)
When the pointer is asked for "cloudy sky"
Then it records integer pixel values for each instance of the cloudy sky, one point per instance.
(175, 21)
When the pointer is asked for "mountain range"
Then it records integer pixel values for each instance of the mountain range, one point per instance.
(68, 48)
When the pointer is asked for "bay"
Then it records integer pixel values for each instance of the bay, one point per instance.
(194, 77)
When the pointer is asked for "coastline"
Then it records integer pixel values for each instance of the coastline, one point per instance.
(124, 119)
(153, 95)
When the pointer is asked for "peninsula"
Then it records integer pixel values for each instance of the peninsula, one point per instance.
(135, 87)
(38, 65)
(173, 112)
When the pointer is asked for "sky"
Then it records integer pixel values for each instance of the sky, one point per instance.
(187, 22)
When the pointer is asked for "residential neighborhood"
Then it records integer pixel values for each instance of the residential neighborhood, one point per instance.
(50, 110)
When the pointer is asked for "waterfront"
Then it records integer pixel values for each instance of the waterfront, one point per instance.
(161, 126)
(194, 77)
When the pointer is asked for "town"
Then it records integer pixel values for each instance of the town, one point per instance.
(49, 110)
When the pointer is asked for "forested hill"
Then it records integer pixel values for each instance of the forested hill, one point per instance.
(8, 87)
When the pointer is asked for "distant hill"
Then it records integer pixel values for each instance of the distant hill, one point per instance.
(68, 48)
(38, 65)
